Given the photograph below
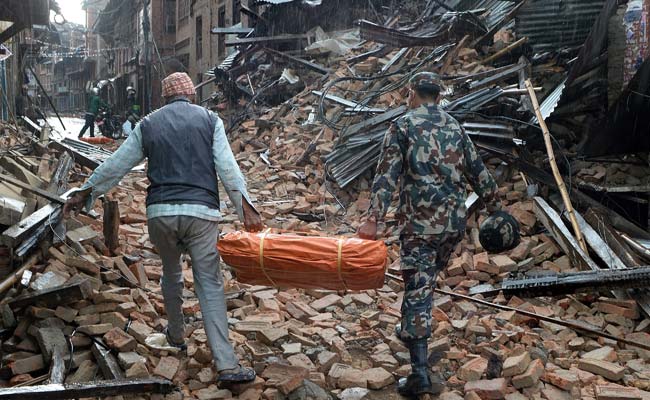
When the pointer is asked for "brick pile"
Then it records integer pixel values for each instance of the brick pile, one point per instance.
(314, 344)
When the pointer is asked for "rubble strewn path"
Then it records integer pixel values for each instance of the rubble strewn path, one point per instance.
(87, 307)
(322, 344)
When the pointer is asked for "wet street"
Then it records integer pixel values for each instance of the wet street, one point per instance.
(72, 125)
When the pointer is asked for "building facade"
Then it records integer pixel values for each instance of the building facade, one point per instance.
(196, 47)
(138, 46)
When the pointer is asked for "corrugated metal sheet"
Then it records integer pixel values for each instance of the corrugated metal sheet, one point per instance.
(553, 24)
(550, 102)
(495, 10)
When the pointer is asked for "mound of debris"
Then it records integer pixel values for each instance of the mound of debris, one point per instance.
(82, 300)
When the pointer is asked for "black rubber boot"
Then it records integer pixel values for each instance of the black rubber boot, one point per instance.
(420, 381)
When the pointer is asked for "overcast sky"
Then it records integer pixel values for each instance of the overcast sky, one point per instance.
(71, 10)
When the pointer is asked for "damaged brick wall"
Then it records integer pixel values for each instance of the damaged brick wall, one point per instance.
(628, 45)
(635, 22)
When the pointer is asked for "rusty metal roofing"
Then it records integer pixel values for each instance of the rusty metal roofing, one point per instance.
(553, 24)
(494, 10)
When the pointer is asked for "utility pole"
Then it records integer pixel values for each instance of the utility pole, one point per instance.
(147, 64)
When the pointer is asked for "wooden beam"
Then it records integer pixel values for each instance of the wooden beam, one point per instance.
(452, 54)
(33, 189)
(556, 172)
(15, 276)
(97, 389)
(266, 39)
(111, 225)
(11, 31)
(57, 296)
(299, 61)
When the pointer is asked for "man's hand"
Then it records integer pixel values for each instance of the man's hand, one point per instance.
(368, 230)
(252, 219)
(75, 203)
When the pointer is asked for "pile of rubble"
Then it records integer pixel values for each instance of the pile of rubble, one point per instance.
(83, 302)
(106, 309)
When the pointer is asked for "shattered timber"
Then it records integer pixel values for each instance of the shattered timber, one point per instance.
(307, 92)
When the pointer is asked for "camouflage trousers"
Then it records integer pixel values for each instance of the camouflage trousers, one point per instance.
(422, 257)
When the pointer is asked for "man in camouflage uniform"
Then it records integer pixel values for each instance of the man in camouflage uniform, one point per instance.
(434, 160)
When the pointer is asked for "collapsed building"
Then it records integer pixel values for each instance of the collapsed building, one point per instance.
(306, 98)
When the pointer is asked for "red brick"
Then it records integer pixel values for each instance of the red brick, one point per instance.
(167, 367)
(472, 370)
(119, 340)
(488, 389)
(530, 377)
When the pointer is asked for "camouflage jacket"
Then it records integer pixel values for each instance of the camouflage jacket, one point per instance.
(435, 159)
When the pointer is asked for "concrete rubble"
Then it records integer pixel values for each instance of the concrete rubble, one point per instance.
(303, 344)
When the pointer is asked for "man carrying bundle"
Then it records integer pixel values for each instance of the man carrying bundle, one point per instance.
(434, 159)
(186, 149)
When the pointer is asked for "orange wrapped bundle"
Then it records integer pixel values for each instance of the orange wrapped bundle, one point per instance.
(309, 262)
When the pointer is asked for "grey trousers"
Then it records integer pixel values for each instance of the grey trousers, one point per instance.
(198, 237)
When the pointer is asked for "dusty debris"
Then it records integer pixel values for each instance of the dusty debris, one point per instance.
(86, 290)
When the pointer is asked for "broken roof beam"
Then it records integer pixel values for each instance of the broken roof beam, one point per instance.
(43, 193)
(490, 34)
(89, 390)
(394, 37)
(267, 39)
(496, 77)
(299, 61)
(353, 105)
(231, 30)
(379, 51)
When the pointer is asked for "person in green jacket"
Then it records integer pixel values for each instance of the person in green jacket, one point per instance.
(94, 105)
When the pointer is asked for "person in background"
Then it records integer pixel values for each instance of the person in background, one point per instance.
(94, 104)
(187, 152)
(132, 108)
(433, 158)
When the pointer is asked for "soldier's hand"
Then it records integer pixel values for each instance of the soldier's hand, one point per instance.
(494, 206)
(368, 230)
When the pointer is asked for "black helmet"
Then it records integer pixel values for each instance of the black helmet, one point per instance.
(499, 232)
